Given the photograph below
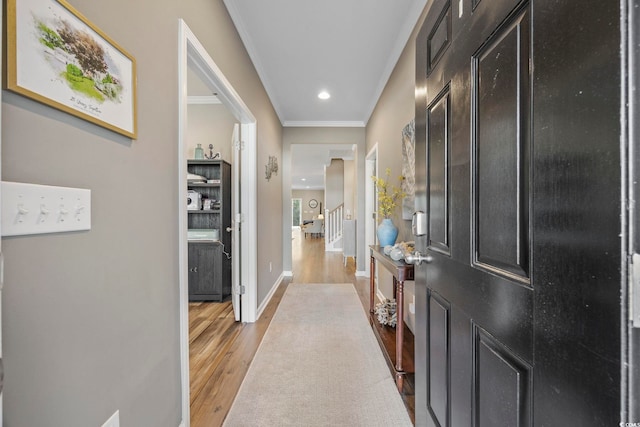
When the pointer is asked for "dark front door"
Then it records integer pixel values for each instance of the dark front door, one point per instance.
(518, 169)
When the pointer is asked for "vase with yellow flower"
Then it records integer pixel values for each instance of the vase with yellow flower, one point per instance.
(388, 198)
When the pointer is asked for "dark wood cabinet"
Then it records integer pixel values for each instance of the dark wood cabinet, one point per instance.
(209, 259)
(209, 272)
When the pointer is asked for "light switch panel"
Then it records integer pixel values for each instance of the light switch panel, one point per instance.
(38, 209)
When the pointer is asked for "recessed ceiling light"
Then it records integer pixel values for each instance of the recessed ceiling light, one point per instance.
(324, 95)
(304, 179)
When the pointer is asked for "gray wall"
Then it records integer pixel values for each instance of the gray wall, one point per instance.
(395, 108)
(90, 319)
(350, 188)
(306, 195)
(334, 184)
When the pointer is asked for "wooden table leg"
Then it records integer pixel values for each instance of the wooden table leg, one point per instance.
(400, 381)
(399, 325)
(372, 283)
(395, 288)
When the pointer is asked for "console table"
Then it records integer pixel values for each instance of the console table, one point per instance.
(401, 272)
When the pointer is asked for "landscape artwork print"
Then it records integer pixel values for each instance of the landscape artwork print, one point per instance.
(56, 56)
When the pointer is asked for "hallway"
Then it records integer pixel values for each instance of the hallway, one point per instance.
(219, 358)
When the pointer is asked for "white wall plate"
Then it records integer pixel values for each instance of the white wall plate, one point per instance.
(38, 209)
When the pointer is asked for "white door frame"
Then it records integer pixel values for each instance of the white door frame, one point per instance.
(1, 253)
(236, 229)
(371, 169)
(192, 53)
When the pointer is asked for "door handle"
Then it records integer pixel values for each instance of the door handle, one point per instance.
(417, 258)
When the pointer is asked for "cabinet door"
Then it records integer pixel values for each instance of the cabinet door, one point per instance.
(204, 271)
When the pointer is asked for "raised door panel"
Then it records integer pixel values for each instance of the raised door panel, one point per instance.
(501, 97)
(439, 387)
(439, 37)
(438, 155)
(502, 384)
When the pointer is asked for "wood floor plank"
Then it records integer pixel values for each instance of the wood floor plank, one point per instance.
(217, 326)
(214, 342)
(204, 311)
(204, 369)
(214, 400)
(197, 328)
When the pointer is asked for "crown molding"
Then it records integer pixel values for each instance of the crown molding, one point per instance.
(241, 27)
(336, 124)
(403, 37)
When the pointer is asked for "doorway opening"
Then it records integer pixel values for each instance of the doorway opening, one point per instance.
(193, 59)
(296, 213)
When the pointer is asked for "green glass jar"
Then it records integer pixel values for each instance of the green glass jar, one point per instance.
(199, 153)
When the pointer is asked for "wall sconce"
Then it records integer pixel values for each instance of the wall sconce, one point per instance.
(271, 167)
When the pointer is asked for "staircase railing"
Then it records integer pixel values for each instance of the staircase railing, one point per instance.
(333, 226)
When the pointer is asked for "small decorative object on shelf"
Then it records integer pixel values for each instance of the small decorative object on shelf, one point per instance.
(387, 232)
(399, 250)
(386, 313)
(199, 152)
(212, 155)
(194, 200)
(388, 198)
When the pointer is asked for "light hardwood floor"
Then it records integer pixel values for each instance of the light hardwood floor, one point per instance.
(221, 350)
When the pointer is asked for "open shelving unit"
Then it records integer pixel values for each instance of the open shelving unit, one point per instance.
(209, 259)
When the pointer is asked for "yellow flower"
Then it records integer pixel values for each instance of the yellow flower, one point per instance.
(388, 197)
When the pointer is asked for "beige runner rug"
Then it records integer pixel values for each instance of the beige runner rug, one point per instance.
(319, 364)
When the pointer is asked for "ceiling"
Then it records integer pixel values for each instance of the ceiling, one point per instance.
(301, 47)
(309, 160)
(346, 47)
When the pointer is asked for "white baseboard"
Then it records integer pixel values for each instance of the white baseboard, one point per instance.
(362, 273)
(287, 273)
(181, 424)
(273, 290)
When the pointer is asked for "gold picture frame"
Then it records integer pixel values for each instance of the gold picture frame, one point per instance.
(56, 56)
